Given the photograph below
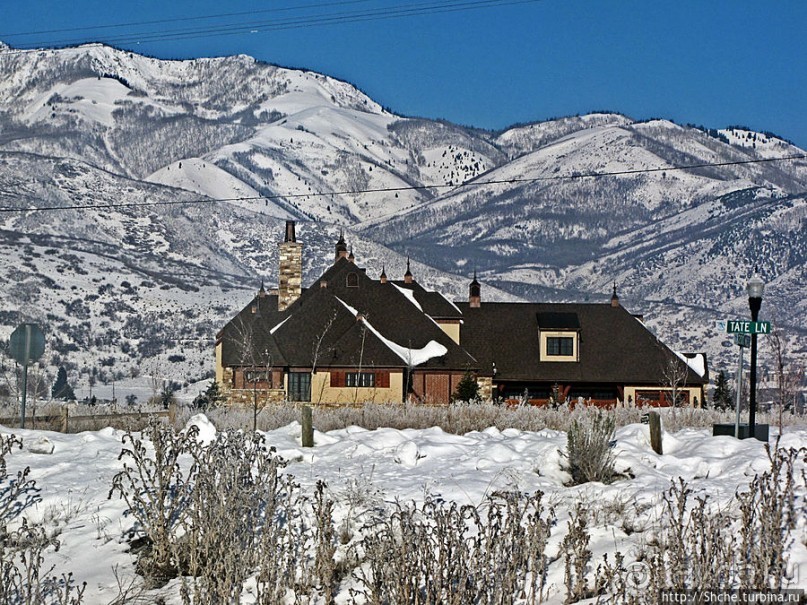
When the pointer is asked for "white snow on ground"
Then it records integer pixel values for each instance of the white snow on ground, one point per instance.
(74, 481)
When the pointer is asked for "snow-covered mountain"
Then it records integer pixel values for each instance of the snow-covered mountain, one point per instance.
(144, 264)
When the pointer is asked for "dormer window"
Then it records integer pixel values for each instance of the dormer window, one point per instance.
(560, 346)
(559, 335)
(352, 280)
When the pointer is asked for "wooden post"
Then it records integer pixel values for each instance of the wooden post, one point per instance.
(65, 413)
(308, 427)
(172, 414)
(655, 432)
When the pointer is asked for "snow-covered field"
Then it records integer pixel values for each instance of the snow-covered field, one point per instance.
(386, 465)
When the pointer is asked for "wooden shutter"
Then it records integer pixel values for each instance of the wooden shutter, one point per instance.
(337, 378)
(382, 379)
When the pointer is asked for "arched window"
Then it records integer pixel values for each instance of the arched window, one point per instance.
(352, 280)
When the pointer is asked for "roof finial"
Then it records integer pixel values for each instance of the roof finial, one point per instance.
(614, 297)
(341, 246)
(475, 293)
(262, 291)
(408, 274)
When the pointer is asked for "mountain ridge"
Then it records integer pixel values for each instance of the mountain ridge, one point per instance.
(145, 137)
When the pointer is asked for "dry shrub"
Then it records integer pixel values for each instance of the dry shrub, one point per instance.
(219, 514)
(442, 553)
(459, 418)
(589, 447)
(699, 545)
(23, 580)
(576, 556)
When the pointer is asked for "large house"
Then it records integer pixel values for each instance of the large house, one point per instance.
(352, 338)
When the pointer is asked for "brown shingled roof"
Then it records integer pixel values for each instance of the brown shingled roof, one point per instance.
(615, 347)
(321, 315)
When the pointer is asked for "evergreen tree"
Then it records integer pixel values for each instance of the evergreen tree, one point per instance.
(467, 389)
(722, 397)
(62, 390)
(210, 398)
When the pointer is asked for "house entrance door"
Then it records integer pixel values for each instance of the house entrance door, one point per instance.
(299, 386)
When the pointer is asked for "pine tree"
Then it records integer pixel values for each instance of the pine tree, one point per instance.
(467, 389)
(210, 398)
(62, 390)
(722, 397)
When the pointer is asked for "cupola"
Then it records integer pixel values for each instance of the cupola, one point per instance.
(341, 247)
(408, 275)
(614, 297)
(475, 294)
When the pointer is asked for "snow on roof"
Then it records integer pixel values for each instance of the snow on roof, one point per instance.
(450, 302)
(410, 295)
(277, 327)
(696, 362)
(413, 357)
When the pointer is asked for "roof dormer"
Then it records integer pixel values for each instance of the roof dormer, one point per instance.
(559, 335)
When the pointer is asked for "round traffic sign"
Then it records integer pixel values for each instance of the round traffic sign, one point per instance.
(27, 344)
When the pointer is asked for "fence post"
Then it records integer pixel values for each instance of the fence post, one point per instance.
(655, 432)
(172, 414)
(64, 414)
(308, 427)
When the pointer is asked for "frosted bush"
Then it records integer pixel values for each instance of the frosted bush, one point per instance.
(588, 446)
(461, 418)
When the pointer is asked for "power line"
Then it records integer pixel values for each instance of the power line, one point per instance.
(589, 175)
(292, 22)
(179, 19)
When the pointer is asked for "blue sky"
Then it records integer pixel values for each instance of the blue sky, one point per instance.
(713, 63)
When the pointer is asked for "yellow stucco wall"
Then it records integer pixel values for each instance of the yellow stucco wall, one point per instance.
(322, 392)
(452, 329)
(219, 366)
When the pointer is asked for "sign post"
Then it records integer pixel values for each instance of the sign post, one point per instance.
(26, 345)
(745, 333)
(740, 339)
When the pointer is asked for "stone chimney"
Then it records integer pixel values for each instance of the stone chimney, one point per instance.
(614, 298)
(408, 279)
(290, 282)
(474, 294)
(341, 247)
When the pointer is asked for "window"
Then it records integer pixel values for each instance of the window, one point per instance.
(360, 379)
(299, 386)
(560, 346)
(662, 398)
(257, 376)
(352, 280)
(379, 379)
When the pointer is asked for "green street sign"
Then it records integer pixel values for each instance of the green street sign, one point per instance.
(743, 326)
(27, 343)
(743, 340)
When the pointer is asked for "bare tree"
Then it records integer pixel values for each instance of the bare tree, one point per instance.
(255, 359)
(674, 373)
(11, 384)
(319, 350)
(788, 375)
(361, 362)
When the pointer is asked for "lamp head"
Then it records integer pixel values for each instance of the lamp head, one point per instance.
(755, 287)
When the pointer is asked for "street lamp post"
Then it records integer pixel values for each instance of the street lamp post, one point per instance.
(755, 288)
